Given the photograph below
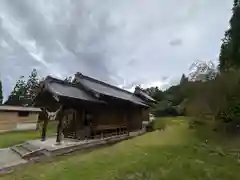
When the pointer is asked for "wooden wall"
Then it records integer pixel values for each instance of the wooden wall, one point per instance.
(109, 116)
(145, 114)
(10, 120)
(130, 116)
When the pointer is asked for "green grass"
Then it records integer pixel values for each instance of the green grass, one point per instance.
(172, 154)
(11, 138)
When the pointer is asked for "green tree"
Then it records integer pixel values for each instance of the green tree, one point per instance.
(17, 96)
(32, 85)
(1, 93)
(183, 80)
(24, 91)
(155, 93)
(230, 50)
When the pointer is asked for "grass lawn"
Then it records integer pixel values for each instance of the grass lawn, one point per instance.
(12, 138)
(172, 154)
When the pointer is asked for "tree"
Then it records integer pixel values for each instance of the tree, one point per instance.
(203, 71)
(17, 96)
(68, 79)
(32, 86)
(1, 93)
(229, 57)
(155, 93)
(24, 91)
(183, 80)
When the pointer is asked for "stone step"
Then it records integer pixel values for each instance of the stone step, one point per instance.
(31, 147)
(22, 151)
(27, 150)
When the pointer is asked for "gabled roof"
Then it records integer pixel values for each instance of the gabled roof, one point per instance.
(66, 89)
(140, 92)
(106, 89)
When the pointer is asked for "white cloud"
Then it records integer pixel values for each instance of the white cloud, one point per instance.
(125, 42)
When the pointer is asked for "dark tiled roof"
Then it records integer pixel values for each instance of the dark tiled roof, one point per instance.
(65, 89)
(140, 92)
(107, 89)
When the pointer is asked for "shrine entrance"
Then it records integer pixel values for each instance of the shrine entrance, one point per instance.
(70, 123)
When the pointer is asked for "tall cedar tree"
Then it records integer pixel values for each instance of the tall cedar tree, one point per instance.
(183, 80)
(230, 50)
(1, 93)
(32, 86)
(17, 96)
(24, 91)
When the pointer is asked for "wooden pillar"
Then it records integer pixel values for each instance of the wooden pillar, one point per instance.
(44, 130)
(60, 127)
(76, 123)
(60, 131)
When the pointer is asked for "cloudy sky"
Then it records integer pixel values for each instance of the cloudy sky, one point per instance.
(123, 42)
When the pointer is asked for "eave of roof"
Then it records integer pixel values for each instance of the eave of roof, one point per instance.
(66, 89)
(141, 92)
(19, 108)
(107, 89)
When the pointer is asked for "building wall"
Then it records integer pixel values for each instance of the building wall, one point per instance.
(132, 117)
(10, 120)
(145, 114)
(129, 116)
(110, 116)
(135, 119)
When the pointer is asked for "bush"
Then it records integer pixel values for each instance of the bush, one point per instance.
(217, 101)
(165, 108)
(150, 126)
(159, 124)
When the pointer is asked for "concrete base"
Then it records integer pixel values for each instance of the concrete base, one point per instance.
(49, 148)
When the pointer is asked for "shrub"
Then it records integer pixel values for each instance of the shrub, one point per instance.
(217, 101)
(165, 108)
(159, 124)
(149, 127)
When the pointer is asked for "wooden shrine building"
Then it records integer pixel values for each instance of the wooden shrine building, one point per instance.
(89, 108)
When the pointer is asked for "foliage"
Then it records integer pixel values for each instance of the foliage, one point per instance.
(68, 79)
(203, 71)
(184, 79)
(219, 102)
(169, 101)
(32, 86)
(159, 124)
(164, 108)
(1, 93)
(17, 96)
(24, 91)
(230, 55)
(155, 93)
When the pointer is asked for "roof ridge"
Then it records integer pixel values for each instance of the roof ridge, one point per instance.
(50, 79)
(103, 83)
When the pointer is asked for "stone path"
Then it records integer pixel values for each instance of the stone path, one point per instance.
(8, 158)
